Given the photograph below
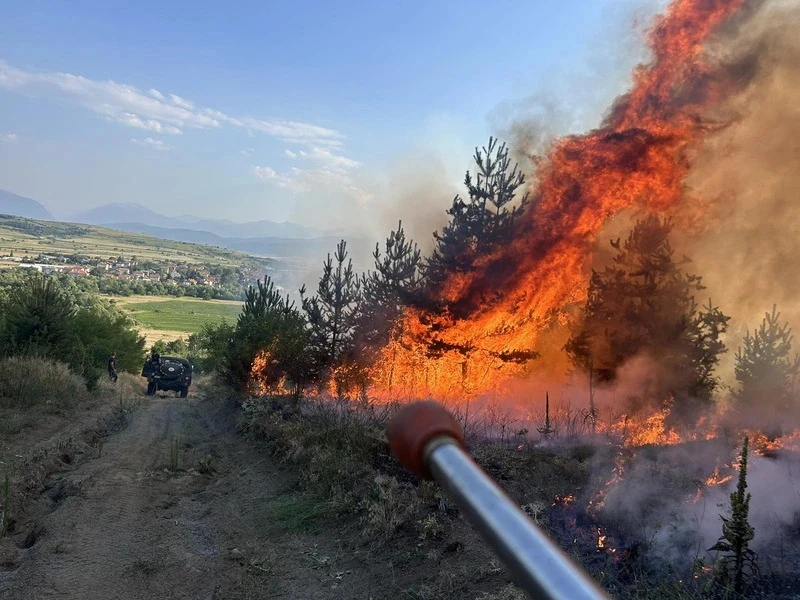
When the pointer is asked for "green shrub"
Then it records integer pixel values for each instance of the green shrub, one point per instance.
(30, 382)
(43, 317)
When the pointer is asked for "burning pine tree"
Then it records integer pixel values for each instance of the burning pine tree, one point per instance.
(644, 305)
(500, 291)
(767, 374)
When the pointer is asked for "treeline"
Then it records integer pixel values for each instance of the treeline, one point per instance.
(122, 287)
(98, 284)
(58, 319)
(333, 337)
(646, 304)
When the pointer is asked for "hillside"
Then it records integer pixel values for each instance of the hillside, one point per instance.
(26, 237)
(284, 247)
(12, 204)
(137, 215)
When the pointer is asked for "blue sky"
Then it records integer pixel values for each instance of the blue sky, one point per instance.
(324, 114)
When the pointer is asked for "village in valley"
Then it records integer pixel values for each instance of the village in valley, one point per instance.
(128, 269)
(124, 264)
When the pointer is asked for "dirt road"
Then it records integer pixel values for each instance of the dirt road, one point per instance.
(172, 506)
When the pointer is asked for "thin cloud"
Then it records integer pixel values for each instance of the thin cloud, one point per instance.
(158, 112)
(132, 120)
(8, 137)
(285, 181)
(326, 158)
(314, 181)
(331, 172)
(292, 131)
(153, 143)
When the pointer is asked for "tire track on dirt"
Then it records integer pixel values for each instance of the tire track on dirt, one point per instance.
(129, 524)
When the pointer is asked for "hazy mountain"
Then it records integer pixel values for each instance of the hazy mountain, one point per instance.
(253, 229)
(130, 214)
(19, 206)
(169, 233)
(311, 248)
(118, 213)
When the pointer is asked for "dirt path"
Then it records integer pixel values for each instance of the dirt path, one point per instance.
(178, 505)
(145, 519)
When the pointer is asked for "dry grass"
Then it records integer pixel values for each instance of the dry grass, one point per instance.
(39, 384)
(347, 475)
(344, 461)
(32, 389)
(64, 423)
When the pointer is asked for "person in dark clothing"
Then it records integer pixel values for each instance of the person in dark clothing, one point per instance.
(112, 367)
(152, 363)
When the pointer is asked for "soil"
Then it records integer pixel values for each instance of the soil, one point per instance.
(177, 504)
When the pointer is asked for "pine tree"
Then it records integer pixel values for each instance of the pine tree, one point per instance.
(270, 326)
(644, 304)
(547, 430)
(387, 290)
(482, 222)
(766, 370)
(332, 311)
(737, 533)
(38, 318)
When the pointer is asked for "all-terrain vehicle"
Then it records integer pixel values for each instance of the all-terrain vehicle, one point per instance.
(169, 374)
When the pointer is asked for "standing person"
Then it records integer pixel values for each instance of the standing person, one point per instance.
(112, 367)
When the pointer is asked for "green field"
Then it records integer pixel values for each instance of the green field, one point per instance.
(27, 237)
(177, 315)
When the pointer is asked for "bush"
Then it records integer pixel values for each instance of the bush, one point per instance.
(46, 318)
(29, 382)
(267, 349)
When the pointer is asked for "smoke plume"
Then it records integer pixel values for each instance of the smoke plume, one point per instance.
(748, 171)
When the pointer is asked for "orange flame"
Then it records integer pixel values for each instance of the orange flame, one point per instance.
(636, 160)
(718, 479)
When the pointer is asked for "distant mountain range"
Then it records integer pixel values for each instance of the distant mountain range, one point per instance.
(281, 247)
(259, 238)
(19, 206)
(111, 214)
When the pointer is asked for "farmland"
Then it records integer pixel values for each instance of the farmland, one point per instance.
(172, 318)
(24, 237)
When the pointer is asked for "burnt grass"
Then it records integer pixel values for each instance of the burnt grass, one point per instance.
(624, 535)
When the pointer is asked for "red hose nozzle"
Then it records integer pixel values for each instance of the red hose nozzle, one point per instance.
(414, 427)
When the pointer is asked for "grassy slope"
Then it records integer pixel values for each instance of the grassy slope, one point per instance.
(185, 315)
(27, 237)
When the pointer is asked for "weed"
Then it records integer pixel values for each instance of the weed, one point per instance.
(430, 528)
(263, 562)
(536, 511)
(5, 518)
(509, 592)
(174, 455)
(293, 515)
(60, 548)
(144, 567)
(35, 383)
(390, 506)
(207, 465)
(447, 584)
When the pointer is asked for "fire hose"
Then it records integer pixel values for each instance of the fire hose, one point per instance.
(429, 442)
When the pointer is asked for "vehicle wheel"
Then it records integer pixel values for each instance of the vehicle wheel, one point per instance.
(184, 391)
(151, 388)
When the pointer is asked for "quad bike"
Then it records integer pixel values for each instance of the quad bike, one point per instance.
(168, 374)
